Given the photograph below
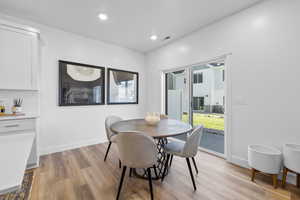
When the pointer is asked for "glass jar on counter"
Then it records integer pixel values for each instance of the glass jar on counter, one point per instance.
(2, 107)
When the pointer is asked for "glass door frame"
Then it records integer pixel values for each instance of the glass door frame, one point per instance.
(188, 68)
(187, 82)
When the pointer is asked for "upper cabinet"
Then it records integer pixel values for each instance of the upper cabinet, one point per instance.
(18, 58)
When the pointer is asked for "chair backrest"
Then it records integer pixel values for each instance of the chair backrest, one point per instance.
(136, 150)
(192, 143)
(108, 122)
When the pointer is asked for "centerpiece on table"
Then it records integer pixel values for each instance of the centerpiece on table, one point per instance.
(152, 118)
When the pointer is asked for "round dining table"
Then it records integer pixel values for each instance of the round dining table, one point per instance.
(160, 132)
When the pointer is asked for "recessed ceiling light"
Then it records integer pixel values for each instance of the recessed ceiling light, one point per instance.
(103, 16)
(259, 22)
(153, 37)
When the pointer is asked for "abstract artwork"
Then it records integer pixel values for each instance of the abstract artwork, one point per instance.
(81, 84)
(122, 87)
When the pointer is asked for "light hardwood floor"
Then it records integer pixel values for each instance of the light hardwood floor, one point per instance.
(81, 174)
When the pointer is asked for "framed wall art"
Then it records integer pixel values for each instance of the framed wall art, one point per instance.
(122, 87)
(81, 84)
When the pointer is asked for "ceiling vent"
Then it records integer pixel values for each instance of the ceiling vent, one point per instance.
(167, 38)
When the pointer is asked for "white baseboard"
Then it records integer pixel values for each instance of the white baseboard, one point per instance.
(32, 166)
(239, 161)
(11, 189)
(65, 147)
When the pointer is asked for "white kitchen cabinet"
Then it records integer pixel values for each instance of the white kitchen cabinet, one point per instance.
(18, 151)
(18, 58)
(19, 73)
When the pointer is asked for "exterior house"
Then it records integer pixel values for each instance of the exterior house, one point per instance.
(208, 89)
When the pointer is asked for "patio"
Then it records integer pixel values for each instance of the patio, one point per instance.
(213, 135)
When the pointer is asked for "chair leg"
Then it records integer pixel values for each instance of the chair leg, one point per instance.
(275, 180)
(171, 160)
(107, 151)
(155, 171)
(121, 181)
(120, 163)
(166, 167)
(195, 165)
(191, 173)
(130, 172)
(150, 182)
(253, 172)
(284, 175)
(298, 180)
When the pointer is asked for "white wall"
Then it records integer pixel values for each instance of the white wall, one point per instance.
(263, 71)
(62, 126)
(66, 127)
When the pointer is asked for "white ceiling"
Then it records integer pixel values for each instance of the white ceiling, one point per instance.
(131, 22)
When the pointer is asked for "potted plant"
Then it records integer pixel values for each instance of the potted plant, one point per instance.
(17, 107)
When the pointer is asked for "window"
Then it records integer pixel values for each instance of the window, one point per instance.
(198, 78)
(198, 103)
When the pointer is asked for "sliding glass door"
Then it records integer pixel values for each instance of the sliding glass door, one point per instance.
(208, 103)
(196, 95)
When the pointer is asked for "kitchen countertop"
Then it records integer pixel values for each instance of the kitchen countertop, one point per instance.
(26, 116)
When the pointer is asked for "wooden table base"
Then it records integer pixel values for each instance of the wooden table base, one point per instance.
(274, 176)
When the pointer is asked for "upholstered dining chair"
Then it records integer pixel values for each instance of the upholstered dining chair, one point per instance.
(111, 136)
(185, 150)
(136, 150)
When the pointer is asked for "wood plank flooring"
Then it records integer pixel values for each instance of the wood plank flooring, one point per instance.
(81, 174)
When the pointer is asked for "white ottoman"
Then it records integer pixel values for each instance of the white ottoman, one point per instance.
(291, 161)
(265, 159)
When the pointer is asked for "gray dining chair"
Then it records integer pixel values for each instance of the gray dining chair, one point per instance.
(111, 136)
(136, 150)
(185, 150)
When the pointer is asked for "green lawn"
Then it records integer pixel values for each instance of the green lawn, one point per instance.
(212, 121)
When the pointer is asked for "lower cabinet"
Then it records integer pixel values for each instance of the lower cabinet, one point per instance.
(17, 152)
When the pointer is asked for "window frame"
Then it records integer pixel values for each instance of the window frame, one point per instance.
(199, 78)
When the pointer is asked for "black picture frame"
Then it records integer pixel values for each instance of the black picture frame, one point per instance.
(109, 102)
(62, 75)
